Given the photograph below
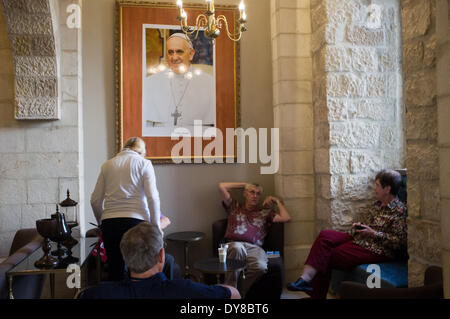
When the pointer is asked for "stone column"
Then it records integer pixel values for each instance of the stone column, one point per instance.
(293, 115)
(422, 161)
(357, 104)
(443, 111)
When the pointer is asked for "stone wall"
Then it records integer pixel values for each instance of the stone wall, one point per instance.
(422, 161)
(358, 115)
(39, 160)
(293, 115)
(32, 33)
(443, 110)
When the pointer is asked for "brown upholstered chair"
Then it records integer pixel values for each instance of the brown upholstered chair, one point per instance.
(25, 242)
(270, 285)
(432, 289)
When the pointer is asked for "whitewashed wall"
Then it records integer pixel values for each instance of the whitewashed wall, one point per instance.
(39, 160)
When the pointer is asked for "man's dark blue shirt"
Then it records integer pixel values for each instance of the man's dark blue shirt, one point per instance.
(155, 287)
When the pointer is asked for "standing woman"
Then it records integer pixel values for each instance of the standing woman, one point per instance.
(124, 196)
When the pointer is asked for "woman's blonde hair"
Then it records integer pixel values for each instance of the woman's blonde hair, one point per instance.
(136, 144)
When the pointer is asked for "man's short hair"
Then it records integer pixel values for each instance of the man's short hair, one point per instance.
(248, 185)
(140, 247)
(389, 177)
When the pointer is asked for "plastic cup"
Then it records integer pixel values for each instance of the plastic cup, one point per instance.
(222, 255)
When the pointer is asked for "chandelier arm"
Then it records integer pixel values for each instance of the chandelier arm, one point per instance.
(234, 37)
(200, 21)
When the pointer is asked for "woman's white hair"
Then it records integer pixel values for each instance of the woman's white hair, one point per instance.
(136, 144)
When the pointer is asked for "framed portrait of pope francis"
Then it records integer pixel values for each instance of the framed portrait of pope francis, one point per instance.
(171, 86)
(178, 83)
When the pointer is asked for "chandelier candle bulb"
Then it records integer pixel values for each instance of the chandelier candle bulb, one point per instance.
(184, 19)
(242, 6)
(209, 7)
(180, 7)
(242, 14)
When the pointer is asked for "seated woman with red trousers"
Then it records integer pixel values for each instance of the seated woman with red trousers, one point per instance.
(379, 236)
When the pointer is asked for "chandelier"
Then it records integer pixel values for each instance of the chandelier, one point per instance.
(210, 23)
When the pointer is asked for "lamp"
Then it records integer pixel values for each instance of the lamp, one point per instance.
(70, 209)
(47, 228)
(212, 24)
(61, 235)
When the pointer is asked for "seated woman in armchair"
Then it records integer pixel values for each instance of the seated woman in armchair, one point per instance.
(379, 236)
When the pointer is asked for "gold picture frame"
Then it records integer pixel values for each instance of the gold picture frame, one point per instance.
(131, 19)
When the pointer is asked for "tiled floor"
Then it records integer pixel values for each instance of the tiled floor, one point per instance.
(286, 294)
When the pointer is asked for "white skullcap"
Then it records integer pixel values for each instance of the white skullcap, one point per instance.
(183, 36)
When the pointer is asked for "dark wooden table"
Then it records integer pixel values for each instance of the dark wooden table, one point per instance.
(80, 253)
(186, 237)
(214, 266)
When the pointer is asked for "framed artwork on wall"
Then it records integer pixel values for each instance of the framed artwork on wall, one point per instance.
(180, 94)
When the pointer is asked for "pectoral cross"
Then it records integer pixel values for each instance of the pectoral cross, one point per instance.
(175, 116)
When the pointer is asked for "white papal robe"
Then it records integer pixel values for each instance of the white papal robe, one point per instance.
(194, 94)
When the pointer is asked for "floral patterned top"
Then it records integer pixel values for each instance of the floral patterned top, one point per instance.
(248, 226)
(389, 222)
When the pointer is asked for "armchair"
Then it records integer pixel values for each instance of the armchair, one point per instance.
(25, 242)
(432, 289)
(270, 285)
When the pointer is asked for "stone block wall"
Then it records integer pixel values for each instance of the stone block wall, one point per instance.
(39, 160)
(32, 34)
(358, 115)
(293, 115)
(443, 111)
(419, 38)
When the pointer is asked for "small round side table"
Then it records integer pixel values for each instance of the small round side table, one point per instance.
(186, 237)
(214, 266)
